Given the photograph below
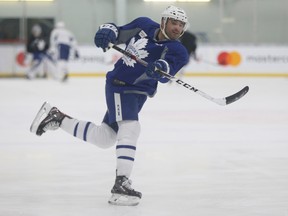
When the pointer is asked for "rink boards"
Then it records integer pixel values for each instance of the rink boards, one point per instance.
(213, 60)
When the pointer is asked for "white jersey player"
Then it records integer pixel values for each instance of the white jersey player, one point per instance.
(63, 45)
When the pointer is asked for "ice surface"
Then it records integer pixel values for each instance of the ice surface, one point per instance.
(194, 157)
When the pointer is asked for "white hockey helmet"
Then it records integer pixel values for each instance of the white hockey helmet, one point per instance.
(36, 30)
(174, 13)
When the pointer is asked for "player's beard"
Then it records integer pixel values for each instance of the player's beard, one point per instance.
(173, 34)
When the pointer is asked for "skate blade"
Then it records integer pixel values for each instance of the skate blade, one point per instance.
(123, 200)
(45, 109)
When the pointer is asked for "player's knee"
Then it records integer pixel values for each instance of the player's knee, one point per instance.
(129, 131)
(102, 136)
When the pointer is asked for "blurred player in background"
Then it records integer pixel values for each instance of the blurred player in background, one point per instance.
(37, 45)
(127, 87)
(63, 47)
(189, 40)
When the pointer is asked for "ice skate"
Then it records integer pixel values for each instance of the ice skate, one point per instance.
(123, 194)
(47, 118)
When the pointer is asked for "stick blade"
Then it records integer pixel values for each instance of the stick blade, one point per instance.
(45, 108)
(232, 98)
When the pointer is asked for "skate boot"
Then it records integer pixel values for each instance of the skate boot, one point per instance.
(123, 194)
(48, 118)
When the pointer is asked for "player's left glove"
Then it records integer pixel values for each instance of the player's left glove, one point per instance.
(153, 67)
(106, 34)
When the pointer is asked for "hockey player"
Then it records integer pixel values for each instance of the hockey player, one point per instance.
(63, 45)
(127, 87)
(38, 45)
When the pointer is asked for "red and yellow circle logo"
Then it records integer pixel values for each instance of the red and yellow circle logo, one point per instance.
(229, 58)
(20, 59)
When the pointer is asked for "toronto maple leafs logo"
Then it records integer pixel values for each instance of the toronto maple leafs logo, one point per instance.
(136, 48)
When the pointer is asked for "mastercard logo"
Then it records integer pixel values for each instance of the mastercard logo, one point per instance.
(229, 58)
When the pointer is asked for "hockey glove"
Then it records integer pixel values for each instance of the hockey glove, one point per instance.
(107, 33)
(41, 44)
(153, 67)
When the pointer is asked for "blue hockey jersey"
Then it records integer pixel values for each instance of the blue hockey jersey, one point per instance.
(140, 37)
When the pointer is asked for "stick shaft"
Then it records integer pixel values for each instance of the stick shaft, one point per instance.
(220, 101)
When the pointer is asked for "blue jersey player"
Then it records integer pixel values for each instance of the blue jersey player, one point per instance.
(127, 87)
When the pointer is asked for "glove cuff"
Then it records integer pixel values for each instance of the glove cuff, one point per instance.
(110, 26)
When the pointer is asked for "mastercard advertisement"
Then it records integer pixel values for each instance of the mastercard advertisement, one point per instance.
(239, 60)
(229, 58)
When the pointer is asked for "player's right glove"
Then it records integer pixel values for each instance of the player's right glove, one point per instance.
(106, 34)
(153, 67)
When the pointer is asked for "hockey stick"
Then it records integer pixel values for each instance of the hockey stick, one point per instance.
(220, 101)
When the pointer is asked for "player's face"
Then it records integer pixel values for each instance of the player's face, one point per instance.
(174, 28)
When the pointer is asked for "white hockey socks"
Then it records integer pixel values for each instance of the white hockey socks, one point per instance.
(127, 137)
(102, 136)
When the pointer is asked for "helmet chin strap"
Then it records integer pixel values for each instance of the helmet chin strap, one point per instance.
(164, 33)
(162, 28)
